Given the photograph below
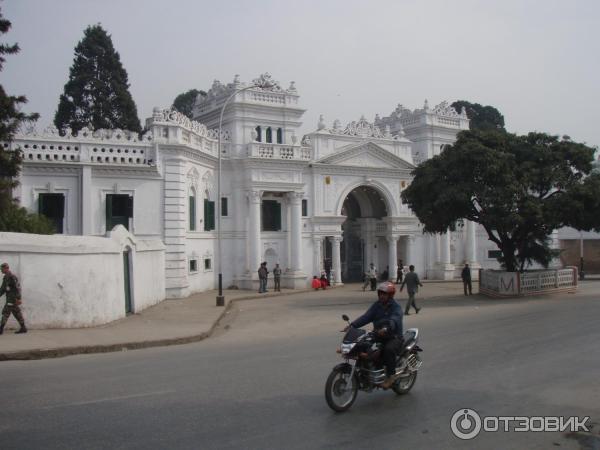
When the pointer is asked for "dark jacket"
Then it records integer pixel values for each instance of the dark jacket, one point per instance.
(466, 274)
(377, 313)
(11, 287)
(263, 273)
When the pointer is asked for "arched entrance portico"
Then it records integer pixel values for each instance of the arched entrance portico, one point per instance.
(363, 232)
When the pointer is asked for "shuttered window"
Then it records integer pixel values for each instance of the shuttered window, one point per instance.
(119, 209)
(53, 207)
(209, 215)
(271, 215)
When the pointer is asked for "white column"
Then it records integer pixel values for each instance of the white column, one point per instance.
(471, 253)
(317, 244)
(392, 255)
(438, 249)
(446, 248)
(253, 236)
(337, 263)
(410, 251)
(295, 204)
(86, 200)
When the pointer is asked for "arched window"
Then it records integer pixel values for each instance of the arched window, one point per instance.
(279, 136)
(269, 136)
(258, 134)
(192, 209)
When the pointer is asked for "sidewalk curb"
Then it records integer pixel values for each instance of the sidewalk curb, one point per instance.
(35, 354)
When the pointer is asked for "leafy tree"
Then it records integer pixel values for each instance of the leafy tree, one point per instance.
(12, 217)
(481, 117)
(519, 188)
(184, 103)
(97, 92)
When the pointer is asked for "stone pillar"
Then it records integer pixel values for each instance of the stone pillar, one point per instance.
(317, 244)
(295, 204)
(471, 251)
(86, 201)
(446, 257)
(410, 251)
(438, 249)
(445, 269)
(336, 263)
(392, 255)
(253, 235)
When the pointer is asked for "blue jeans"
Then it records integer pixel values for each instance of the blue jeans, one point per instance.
(262, 286)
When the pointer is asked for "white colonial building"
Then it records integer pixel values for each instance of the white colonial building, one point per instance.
(329, 199)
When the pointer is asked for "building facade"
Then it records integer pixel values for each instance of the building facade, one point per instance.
(326, 201)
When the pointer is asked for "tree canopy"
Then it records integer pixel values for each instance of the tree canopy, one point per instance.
(481, 117)
(519, 188)
(184, 103)
(97, 92)
(12, 217)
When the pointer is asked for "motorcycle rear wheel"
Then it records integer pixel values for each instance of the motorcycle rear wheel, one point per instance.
(405, 384)
(340, 390)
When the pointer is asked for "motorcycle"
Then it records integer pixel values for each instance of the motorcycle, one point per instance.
(364, 370)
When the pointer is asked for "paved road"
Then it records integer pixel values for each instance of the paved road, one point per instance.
(258, 383)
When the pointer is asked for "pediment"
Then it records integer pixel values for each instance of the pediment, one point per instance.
(366, 155)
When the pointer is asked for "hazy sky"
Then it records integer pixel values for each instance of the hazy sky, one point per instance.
(536, 61)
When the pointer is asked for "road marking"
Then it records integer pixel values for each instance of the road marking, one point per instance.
(110, 399)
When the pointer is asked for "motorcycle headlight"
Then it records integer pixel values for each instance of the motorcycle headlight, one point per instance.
(346, 348)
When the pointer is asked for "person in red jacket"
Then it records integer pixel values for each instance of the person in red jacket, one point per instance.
(324, 281)
(316, 284)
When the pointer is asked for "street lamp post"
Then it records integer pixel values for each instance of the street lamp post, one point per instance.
(263, 82)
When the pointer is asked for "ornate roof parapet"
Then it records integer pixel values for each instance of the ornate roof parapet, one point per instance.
(442, 115)
(172, 127)
(88, 146)
(361, 128)
(264, 89)
(86, 134)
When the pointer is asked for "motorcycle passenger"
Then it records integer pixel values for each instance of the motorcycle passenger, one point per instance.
(386, 316)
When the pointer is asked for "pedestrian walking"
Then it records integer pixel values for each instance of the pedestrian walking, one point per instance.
(466, 279)
(263, 274)
(367, 280)
(277, 278)
(386, 274)
(372, 272)
(12, 289)
(412, 282)
(399, 272)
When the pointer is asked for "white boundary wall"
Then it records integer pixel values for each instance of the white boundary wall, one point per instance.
(497, 283)
(78, 281)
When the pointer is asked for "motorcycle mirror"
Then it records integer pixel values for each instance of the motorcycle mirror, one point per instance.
(345, 317)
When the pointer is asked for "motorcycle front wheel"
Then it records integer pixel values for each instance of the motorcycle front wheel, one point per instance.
(340, 389)
(405, 384)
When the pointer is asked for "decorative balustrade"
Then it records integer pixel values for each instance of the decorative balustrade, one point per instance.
(497, 283)
(278, 151)
(101, 146)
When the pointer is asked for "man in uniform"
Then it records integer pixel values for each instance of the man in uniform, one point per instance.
(277, 277)
(12, 289)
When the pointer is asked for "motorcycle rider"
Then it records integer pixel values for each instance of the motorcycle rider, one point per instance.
(386, 316)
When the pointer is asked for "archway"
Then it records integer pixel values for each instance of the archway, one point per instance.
(364, 208)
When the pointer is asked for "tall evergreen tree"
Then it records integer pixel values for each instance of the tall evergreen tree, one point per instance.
(12, 217)
(97, 92)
